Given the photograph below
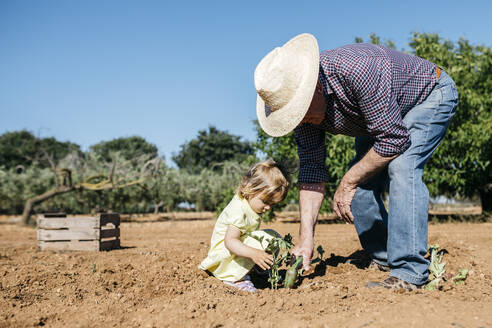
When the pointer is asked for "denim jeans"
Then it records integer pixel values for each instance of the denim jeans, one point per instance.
(397, 237)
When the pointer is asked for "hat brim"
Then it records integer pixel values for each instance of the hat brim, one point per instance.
(282, 121)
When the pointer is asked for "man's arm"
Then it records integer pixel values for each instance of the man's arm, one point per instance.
(369, 165)
(310, 198)
(311, 149)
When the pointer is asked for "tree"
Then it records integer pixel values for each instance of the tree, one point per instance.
(374, 39)
(212, 188)
(22, 149)
(98, 177)
(128, 148)
(165, 189)
(210, 148)
(16, 187)
(461, 165)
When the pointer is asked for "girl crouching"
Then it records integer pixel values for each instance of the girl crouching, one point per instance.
(233, 251)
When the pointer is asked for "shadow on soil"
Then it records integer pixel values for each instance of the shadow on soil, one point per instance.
(448, 218)
(123, 247)
(320, 221)
(163, 219)
(359, 259)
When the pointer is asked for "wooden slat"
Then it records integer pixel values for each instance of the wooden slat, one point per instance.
(109, 233)
(109, 244)
(92, 245)
(106, 218)
(87, 234)
(57, 223)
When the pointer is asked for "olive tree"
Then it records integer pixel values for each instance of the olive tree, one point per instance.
(92, 174)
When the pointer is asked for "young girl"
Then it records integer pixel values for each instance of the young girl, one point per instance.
(233, 253)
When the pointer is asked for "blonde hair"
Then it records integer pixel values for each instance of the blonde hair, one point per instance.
(266, 178)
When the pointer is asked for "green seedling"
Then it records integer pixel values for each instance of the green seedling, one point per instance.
(94, 268)
(279, 248)
(292, 272)
(437, 268)
(460, 278)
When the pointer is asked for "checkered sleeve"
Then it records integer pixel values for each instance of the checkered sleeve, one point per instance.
(311, 149)
(370, 81)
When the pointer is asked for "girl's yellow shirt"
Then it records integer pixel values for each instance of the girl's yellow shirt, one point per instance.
(220, 262)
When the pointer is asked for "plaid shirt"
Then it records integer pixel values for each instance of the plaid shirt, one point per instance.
(368, 89)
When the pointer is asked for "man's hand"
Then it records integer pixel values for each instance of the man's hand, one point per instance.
(262, 258)
(369, 165)
(304, 248)
(342, 199)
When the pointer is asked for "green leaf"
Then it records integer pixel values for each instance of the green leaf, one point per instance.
(461, 277)
(436, 267)
(433, 285)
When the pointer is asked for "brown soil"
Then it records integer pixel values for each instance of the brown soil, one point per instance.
(153, 281)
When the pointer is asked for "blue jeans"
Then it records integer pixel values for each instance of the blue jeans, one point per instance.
(398, 237)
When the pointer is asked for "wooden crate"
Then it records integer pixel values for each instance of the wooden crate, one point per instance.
(93, 233)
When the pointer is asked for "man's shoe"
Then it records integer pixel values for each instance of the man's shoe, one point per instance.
(394, 284)
(377, 266)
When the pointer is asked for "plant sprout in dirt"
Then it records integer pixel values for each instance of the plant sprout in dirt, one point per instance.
(279, 247)
(437, 268)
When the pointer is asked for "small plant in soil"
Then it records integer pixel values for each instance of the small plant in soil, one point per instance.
(279, 247)
(292, 272)
(461, 277)
(437, 268)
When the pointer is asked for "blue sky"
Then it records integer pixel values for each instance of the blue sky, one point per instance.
(88, 71)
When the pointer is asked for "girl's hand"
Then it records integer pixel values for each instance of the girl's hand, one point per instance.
(262, 259)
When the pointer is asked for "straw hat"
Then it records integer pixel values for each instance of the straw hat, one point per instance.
(285, 80)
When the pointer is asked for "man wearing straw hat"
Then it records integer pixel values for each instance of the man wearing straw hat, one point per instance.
(397, 106)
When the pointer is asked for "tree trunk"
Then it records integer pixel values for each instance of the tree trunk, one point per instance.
(199, 207)
(157, 207)
(486, 197)
(26, 214)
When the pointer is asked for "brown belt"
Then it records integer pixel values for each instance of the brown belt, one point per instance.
(438, 72)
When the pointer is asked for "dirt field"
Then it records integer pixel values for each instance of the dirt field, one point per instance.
(153, 281)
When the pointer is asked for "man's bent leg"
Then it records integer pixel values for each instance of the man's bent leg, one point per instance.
(408, 195)
(370, 215)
